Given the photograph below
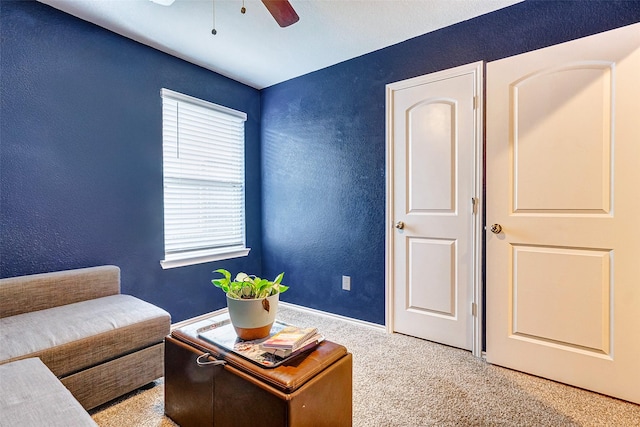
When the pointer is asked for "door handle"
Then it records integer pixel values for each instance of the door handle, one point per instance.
(496, 228)
(399, 225)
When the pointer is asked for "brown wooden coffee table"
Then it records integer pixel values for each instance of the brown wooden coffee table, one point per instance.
(206, 385)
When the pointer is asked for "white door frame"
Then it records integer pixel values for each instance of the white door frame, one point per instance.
(477, 69)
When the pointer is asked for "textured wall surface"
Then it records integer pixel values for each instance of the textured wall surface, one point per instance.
(323, 147)
(81, 152)
(81, 155)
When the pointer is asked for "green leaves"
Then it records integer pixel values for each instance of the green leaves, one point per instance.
(281, 288)
(248, 287)
(224, 282)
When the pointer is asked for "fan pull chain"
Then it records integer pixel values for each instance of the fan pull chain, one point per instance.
(213, 30)
(243, 9)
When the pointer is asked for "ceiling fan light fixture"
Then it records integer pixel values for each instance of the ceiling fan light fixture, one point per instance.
(280, 10)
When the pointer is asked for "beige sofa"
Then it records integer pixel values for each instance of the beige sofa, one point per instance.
(99, 343)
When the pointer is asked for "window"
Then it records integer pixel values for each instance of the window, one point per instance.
(203, 168)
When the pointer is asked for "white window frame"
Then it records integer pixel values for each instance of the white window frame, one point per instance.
(190, 124)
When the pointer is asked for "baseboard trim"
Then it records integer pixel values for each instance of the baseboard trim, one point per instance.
(334, 316)
(186, 322)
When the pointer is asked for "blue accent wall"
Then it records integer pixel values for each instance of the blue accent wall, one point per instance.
(81, 152)
(323, 147)
(81, 155)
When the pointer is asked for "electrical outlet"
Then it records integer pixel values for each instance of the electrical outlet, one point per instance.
(346, 283)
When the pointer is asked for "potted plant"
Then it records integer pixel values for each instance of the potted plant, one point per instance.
(252, 302)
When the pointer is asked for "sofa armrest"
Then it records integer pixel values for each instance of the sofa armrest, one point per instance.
(34, 292)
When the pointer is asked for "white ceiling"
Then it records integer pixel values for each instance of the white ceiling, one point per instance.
(254, 50)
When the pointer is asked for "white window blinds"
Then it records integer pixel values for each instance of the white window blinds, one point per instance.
(203, 168)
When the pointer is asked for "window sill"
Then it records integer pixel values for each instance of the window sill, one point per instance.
(173, 263)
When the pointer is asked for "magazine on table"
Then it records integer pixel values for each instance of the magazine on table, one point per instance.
(289, 338)
(310, 343)
(223, 334)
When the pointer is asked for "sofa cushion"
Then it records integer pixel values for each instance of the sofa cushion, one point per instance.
(30, 395)
(76, 336)
(24, 294)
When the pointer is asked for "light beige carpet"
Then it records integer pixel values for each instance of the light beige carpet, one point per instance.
(404, 381)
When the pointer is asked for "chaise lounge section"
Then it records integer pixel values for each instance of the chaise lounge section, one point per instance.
(33, 396)
(98, 342)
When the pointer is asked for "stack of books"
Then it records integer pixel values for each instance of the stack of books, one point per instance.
(291, 340)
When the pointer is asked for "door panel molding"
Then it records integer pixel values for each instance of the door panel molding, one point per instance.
(571, 115)
(439, 115)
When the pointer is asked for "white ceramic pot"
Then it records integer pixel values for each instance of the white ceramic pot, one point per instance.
(250, 317)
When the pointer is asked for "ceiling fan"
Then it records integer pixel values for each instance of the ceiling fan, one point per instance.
(281, 10)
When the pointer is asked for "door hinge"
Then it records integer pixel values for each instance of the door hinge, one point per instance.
(474, 309)
(475, 102)
(474, 205)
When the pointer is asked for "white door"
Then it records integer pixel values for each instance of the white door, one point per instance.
(434, 159)
(563, 178)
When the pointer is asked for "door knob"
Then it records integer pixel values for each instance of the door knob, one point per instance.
(399, 225)
(496, 228)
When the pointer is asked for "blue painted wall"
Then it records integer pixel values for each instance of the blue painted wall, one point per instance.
(81, 155)
(81, 158)
(323, 147)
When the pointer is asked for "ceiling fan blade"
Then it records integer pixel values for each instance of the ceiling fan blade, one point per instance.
(282, 12)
